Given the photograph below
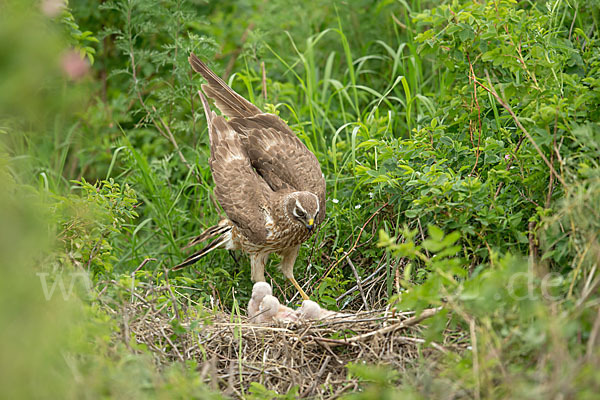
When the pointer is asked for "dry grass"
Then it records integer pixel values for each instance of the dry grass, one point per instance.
(232, 351)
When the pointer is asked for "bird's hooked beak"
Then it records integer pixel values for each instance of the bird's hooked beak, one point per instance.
(311, 224)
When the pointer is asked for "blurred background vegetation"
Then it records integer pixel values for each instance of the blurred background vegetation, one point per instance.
(460, 141)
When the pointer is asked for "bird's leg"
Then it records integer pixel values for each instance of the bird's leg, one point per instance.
(288, 257)
(297, 286)
(257, 267)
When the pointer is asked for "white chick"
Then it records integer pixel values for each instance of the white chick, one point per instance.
(309, 310)
(286, 314)
(331, 314)
(271, 310)
(259, 291)
(268, 309)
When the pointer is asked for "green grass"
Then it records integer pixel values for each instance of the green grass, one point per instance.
(394, 100)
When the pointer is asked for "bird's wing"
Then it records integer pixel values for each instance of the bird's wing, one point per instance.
(265, 141)
(241, 192)
(279, 157)
(227, 100)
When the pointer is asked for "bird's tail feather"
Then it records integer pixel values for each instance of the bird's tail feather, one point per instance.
(210, 233)
(207, 111)
(228, 101)
(218, 232)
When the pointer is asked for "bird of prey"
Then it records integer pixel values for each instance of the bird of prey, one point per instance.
(269, 184)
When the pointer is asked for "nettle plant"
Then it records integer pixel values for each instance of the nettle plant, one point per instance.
(515, 101)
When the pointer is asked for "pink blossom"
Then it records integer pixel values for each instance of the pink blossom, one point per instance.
(73, 65)
(51, 8)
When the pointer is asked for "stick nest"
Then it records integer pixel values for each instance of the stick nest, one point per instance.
(232, 352)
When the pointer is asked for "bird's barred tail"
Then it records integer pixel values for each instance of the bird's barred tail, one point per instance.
(218, 232)
(228, 101)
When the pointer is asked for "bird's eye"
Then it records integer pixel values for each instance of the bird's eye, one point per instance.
(299, 213)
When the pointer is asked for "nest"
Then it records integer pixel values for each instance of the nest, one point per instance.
(310, 356)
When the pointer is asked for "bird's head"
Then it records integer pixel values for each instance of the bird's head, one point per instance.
(269, 306)
(260, 290)
(310, 310)
(303, 207)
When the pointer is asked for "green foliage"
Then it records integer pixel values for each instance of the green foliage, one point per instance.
(442, 267)
(109, 174)
(90, 224)
(259, 392)
(82, 41)
(380, 383)
(468, 166)
(53, 334)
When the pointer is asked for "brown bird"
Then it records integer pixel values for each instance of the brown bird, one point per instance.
(269, 184)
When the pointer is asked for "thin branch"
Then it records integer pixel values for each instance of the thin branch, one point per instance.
(551, 182)
(518, 123)
(430, 312)
(473, 78)
(168, 135)
(171, 138)
(173, 300)
(358, 283)
(573, 22)
(475, 358)
(264, 80)
(335, 264)
(593, 336)
(366, 281)
(510, 163)
(146, 261)
(237, 51)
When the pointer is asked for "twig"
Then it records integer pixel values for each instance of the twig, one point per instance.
(94, 251)
(551, 182)
(335, 264)
(169, 135)
(475, 358)
(400, 24)
(510, 163)
(237, 51)
(419, 340)
(358, 282)
(171, 138)
(173, 300)
(573, 22)
(193, 110)
(397, 276)
(172, 344)
(264, 80)
(520, 58)
(133, 275)
(518, 123)
(252, 327)
(473, 78)
(354, 320)
(146, 261)
(422, 236)
(578, 267)
(323, 344)
(332, 341)
(406, 323)
(319, 375)
(593, 336)
(532, 245)
(365, 281)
